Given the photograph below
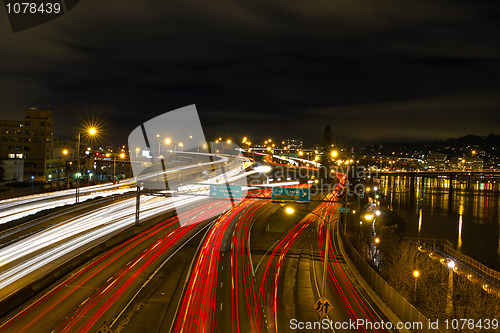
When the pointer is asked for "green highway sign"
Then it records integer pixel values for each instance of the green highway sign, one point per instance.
(344, 210)
(225, 191)
(291, 194)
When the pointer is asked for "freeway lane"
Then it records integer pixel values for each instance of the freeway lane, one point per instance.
(101, 289)
(197, 308)
(12, 209)
(38, 254)
(16, 208)
(221, 295)
(224, 296)
(32, 257)
(349, 301)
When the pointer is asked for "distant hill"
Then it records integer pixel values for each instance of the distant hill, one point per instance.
(490, 145)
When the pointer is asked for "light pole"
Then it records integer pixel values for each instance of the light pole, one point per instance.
(64, 153)
(290, 210)
(159, 146)
(122, 155)
(91, 131)
(416, 275)
(449, 294)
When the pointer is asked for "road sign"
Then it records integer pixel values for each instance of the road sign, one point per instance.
(104, 329)
(322, 306)
(291, 194)
(225, 191)
(344, 210)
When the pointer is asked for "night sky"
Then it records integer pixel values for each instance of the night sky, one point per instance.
(374, 70)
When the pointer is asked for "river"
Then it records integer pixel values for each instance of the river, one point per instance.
(471, 221)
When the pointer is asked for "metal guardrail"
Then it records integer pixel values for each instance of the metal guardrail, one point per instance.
(446, 248)
(404, 309)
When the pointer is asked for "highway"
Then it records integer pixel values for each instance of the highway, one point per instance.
(16, 208)
(253, 269)
(99, 290)
(31, 257)
(224, 295)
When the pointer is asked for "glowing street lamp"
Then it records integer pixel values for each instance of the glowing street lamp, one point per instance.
(290, 210)
(368, 217)
(416, 275)
(122, 155)
(334, 153)
(91, 131)
(449, 294)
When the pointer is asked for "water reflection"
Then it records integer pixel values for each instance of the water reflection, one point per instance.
(470, 219)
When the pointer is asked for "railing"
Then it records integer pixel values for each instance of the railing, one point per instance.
(446, 248)
(404, 309)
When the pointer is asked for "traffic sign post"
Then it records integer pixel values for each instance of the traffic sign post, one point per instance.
(322, 306)
(291, 194)
(104, 329)
(225, 191)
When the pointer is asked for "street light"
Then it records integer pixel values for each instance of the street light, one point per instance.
(65, 152)
(416, 275)
(91, 131)
(368, 217)
(122, 155)
(334, 153)
(377, 240)
(290, 210)
(449, 296)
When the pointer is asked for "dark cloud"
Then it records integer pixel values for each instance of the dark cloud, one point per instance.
(259, 67)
